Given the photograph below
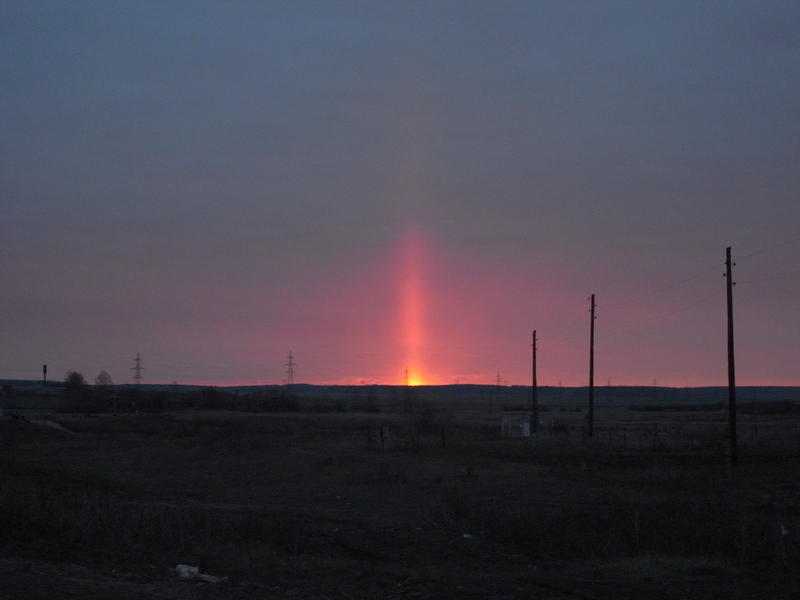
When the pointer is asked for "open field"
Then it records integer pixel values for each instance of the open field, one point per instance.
(423, 504)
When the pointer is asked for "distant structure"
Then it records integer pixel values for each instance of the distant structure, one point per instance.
(406, 378)
(498, 383)
(534, 391)
(591, 368)
(290, 370)
(137, 371)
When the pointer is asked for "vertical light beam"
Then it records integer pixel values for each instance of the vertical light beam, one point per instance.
(413, 305)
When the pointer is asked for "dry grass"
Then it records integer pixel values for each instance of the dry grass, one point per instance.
(277, 497)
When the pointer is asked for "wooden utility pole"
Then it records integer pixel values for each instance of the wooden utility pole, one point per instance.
(591, 372)
(534, 398)
(731, 363)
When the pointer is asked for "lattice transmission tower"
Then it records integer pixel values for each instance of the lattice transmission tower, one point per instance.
(290, 370)
(137, 371)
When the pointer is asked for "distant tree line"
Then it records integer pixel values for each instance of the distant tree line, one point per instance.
(104, 397)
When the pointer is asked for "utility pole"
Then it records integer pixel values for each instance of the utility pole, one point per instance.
(731, 363)
(137, 371)
(534, 398)
(591, 371)
(44, 375)
(406, 378)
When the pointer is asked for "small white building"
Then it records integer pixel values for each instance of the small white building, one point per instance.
(516, 426)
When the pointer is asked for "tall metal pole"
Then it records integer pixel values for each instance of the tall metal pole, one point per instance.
(591, 372)
(534, 398)
(731, 363)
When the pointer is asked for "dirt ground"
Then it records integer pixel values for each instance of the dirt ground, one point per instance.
(382, 506)
(657, 580)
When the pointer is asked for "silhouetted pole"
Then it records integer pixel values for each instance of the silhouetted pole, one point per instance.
(44, 375)
(534, 399)
(731, 363)
(591, 372)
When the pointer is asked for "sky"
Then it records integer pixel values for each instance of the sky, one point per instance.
(399, 190)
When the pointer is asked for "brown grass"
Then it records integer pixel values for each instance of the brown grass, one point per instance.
(250, 495)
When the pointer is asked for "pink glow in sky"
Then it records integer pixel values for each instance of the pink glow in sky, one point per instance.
(414, 326)
(392, 185)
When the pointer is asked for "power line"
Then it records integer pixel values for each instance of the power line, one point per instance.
(716, 266)
(770, 278)
(674, 312)
(207, 367)
(559, 333)
(769, 249)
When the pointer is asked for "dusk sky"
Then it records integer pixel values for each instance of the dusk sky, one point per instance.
(375, 186)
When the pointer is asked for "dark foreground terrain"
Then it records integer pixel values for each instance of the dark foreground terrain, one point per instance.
(419, 505)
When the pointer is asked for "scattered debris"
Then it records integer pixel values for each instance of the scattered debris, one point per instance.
(189, 572)
(49, 423)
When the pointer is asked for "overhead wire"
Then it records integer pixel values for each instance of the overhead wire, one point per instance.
(688, 279)
(765, 250)
(219, 367)
(746, 256)
(674, 312)
(770, 278)
(697, 275)
(564, 331)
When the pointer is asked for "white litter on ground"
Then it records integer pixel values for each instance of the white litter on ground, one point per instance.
(49, 423)
(189, 572)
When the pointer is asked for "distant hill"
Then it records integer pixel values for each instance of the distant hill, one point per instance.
(507, 397)
(547, 395)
